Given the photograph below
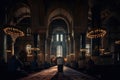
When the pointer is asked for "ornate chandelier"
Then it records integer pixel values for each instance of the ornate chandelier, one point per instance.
(96, 33)
(14, 33)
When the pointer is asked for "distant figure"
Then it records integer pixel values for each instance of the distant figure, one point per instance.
(60, 62)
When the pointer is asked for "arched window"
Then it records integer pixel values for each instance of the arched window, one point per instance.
(28, 32)
(57, 37)
(28, 49)
(61, 37)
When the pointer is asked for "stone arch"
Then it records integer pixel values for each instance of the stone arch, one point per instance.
(62, 14)
(21, 11)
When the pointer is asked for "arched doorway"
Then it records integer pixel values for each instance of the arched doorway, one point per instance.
(58, 44)
(60, 33)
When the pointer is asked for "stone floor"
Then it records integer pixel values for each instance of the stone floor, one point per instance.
(53, 74)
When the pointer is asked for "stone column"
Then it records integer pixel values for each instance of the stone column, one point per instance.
(43, 47)
(116, 54)
(76, 46)
(35, 52)
(48, 50)
(3, 47)
(82, 45)
(68, 47)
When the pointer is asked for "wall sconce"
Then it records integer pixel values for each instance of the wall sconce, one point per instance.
(8, 51)
(102, 50)
(35, 49)
(117, 42)
(83, 49)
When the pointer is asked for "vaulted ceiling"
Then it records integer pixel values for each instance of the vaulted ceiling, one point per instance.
(76, 12)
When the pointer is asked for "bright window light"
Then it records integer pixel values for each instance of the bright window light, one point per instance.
(61, 37)
(59, 51)
(57, 37)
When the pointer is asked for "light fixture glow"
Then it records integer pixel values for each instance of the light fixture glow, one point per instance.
(117, 42)
(83, 49)
(96, 33)
(14, 33)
